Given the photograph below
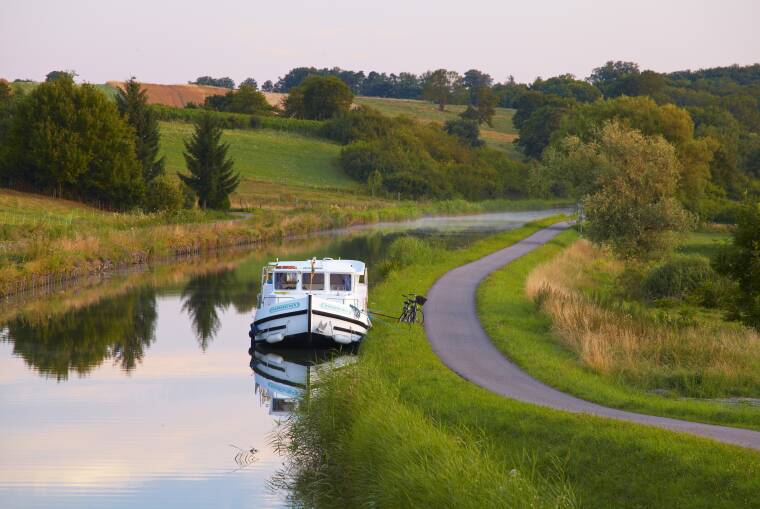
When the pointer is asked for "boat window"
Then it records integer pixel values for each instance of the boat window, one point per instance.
(285, 280)
(313, 281)
(340, 282)
(362, 279)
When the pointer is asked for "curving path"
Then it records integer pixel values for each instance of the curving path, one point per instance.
(457, 337)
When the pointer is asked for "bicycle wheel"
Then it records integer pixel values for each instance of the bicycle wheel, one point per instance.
(420, 317)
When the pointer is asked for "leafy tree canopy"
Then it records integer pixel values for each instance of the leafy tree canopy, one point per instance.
(634, 209)
(225, 82)
(70, 140)
(319, 98)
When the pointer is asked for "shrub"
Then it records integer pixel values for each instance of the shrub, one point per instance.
(467, 131)
(362, 123)
(244, 100)
(678, 277)
(163, 194)
(403, 252)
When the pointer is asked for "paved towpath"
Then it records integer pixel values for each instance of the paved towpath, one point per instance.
(458, 338)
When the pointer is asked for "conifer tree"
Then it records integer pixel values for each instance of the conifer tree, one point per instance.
(132, 102)
(211, 171)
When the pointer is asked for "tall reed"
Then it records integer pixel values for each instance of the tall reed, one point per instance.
(697, 359)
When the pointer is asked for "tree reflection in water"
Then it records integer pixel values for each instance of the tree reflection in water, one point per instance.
(121, 328)
(205, 296)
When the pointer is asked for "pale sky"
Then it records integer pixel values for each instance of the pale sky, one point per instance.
(173, 42)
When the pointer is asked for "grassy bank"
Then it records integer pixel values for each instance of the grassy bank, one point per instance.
(400, 429)
(616, 358)
(44, 239)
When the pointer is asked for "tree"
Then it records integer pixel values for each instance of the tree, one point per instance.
(211, 171)
(474, 80)
(70, 140)
(250, 82)
(567, 86)
(537, 130)
(645, 115)
(509, 92)
(132, 102)
(225, 82)
(466, 130)
(644, 83)
(244, 100)
(56, 75)
(439, 86)
(484, 109)
(267, 86)
(606, 76)
(741, 262)
(569, 168)
(319, 98)
(635, 210)
(9, 101)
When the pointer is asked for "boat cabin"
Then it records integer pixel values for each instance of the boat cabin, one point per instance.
(344, 281)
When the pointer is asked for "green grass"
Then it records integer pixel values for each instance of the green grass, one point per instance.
(428, 112)
(267, 155)
(365, 427)
(704, 243)
(524, 334)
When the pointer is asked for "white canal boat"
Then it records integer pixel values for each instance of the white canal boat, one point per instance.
(312, 302)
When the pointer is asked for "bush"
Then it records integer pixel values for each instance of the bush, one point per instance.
(362, 123)
(678, 277)
(244, 100)
(405, 251)
(318, 98)
(467, 131)
(163, 194)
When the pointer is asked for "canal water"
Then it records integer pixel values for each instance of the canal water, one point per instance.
(138, 390)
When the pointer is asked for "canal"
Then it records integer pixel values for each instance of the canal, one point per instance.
(138, 390)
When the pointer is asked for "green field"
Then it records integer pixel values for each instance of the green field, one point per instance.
(407, 431)
(500, 136)
(428, 112)
(268, 156)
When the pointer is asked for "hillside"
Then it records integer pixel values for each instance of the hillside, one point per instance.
(268, 156)
(500, 136)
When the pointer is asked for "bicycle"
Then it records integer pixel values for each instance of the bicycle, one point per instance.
(412, 311)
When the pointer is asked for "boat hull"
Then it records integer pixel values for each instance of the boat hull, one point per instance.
(310, 320)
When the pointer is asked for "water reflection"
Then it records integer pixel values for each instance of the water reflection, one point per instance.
(180, 429)
(282, 376)
(205, 296)
(120, 329)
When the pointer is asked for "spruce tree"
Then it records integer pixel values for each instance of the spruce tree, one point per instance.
(132, 102)
(211, 171)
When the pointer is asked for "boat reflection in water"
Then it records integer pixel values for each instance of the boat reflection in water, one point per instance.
(283, 375)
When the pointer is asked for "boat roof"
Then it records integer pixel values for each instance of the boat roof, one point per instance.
(326, 264)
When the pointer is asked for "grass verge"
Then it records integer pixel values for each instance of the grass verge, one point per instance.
(401, 430)
(43, 240)
(526, 336)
